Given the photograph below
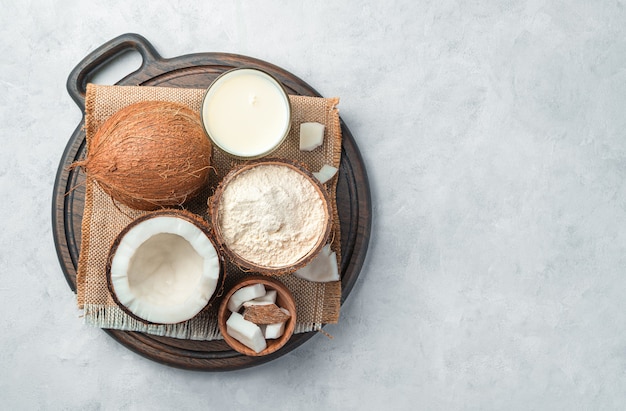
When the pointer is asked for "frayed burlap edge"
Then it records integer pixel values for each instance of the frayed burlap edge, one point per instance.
(104, 316)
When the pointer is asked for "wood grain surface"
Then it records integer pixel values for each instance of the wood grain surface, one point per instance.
(197, 71)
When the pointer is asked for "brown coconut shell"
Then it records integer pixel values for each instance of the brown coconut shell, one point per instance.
(213, 210)
(150, 155)
(284, 299)
(265, 314)
(182, 214)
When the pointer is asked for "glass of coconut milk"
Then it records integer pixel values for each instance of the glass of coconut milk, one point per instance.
(246, 112)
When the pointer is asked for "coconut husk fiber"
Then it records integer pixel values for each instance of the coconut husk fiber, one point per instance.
(104, 218)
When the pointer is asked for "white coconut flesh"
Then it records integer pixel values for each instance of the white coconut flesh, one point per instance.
(165, 270)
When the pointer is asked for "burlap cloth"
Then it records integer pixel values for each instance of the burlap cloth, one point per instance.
(104, 219)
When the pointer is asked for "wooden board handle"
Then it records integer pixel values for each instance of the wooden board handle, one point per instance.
(85, 70)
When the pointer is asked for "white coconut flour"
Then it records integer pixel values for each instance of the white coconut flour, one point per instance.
(271, 215)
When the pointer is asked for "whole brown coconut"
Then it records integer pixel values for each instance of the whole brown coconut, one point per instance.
(150, 155)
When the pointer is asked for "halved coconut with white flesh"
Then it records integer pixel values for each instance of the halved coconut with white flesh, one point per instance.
(164, 268)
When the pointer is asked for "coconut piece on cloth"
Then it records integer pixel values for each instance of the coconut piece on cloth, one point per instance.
(104, 219)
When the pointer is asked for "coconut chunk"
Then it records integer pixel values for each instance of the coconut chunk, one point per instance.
(245, 294)
(252, 303)
(270, 296)
(265, 314)
(246, 332)
(326, 173)
(311, 136)
(273, 331)
(323, 268)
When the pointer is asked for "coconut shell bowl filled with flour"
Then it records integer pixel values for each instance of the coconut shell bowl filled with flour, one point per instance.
(271, 216)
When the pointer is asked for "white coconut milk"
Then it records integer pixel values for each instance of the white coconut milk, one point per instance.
(246, 113)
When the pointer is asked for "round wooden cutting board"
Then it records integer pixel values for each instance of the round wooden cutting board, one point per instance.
(197, 71)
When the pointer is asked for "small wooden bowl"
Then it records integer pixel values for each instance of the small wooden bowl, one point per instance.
(240, 261)
(284, 299)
